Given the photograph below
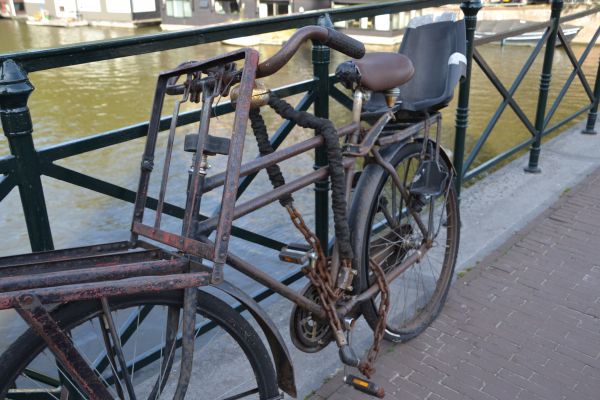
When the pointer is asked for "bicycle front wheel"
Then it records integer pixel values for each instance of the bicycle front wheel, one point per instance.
(384, 229)
(230, 360)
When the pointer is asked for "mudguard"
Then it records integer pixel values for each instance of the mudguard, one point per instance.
(281, 356)
(388, 152)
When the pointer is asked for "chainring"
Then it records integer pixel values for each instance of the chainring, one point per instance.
(307, 333)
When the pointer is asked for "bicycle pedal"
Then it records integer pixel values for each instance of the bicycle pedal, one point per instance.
(365, 386)
(296, 253)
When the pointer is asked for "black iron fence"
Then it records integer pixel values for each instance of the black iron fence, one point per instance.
(552, 37)
(25, 165)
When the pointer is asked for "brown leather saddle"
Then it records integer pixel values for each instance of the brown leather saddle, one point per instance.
(376, 71)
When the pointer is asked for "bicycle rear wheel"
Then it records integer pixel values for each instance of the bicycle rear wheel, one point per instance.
(230, 360)
(384, 229)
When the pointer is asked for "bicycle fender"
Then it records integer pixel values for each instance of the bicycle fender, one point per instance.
(389, 152)
(281, 356)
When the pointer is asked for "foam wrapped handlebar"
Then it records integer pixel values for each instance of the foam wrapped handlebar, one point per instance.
(327, 36)
(345, 44)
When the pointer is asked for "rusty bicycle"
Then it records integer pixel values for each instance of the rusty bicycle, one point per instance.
(396, 222)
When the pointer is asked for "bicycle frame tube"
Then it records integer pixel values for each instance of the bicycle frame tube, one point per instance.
(193, 238)
(371, 138)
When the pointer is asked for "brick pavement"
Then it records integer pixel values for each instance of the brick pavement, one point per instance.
(522, 324)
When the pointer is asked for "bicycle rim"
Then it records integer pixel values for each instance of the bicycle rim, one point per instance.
(230, 361)
(391, 235)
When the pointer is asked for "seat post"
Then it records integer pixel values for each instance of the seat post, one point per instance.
(391, 95)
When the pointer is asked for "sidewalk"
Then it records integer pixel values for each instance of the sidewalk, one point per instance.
(523, 324)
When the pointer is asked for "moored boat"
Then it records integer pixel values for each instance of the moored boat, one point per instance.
(486, 28)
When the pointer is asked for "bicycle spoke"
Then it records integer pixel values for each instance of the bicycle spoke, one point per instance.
(166, 363)
(117, 348)
(40, 377)
(62, 373)
(40, 387)
(128, 330)
(397, 231)
(111, 357)
(135, 342)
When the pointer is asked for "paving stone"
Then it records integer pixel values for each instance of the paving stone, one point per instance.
(523, 324)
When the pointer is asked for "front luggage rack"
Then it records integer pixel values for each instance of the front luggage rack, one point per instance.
(91, 272)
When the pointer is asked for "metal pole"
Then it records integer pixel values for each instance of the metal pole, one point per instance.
(540, 115)
(470, 10)
(591, 122)
(15, 89)
(320, 59)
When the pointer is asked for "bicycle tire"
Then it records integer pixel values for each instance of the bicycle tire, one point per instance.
(24, 350)
(365, 206)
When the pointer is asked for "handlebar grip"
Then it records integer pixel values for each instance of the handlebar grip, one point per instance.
(345, 44)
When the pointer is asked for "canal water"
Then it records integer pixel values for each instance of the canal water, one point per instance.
(75, 102)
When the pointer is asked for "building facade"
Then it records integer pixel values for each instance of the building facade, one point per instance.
(12, 8)
(206, 12)
(386, 29)
(110, 11)
(382, 26)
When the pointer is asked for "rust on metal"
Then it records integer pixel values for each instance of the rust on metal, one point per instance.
(280, 155)
(407, 132)
(234, 162)
(364, 147)
(75, 263)
(96, 290)
(61, 255)
(94, 274)
(271, 196)
(187, 245)
(61, 345)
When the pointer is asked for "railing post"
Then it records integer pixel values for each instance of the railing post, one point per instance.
(15, 89)
(540, 115)
(591, 122)
(320, 59)
(470, 10)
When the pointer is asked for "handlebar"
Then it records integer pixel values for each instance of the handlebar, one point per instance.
(327, 36)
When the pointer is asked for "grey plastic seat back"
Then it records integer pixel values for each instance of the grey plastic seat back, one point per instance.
(437, 50)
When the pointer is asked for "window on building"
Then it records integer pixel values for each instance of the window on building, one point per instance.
(227, 7)
(275, 7)
(361, 23)
(179, 8)
(282, 8)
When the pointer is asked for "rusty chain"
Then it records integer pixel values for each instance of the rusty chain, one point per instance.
(320, 279)
(366, 367)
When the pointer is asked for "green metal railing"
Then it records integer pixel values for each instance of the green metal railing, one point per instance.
(552, 35)
(25, 165)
